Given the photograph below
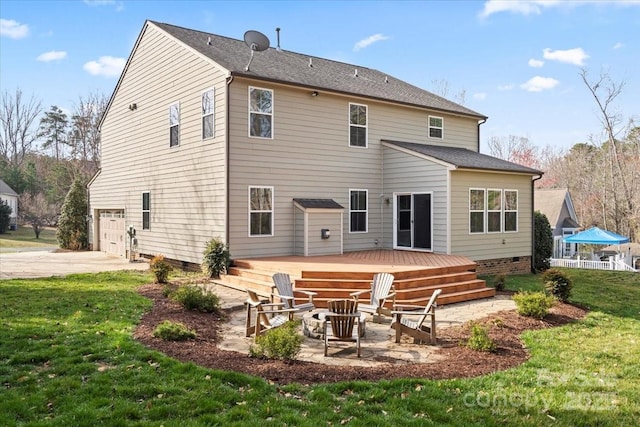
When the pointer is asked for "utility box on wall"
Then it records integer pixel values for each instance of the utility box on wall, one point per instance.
(325, 233)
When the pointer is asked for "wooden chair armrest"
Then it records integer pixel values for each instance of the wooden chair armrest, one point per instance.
(287, 297)
(357, 294)
(309, 293)
(407, 307)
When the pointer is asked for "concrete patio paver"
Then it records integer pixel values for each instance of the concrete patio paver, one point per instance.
(378, 347)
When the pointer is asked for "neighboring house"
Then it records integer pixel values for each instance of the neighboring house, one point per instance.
(295, 155)
(631, 252)
(556, 205)
(10, 198)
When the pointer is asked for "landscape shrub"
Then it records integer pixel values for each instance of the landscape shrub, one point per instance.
(533, 304)
(216, 258)
(5, 217)
(196, 298)
(160, 268)
(480, 340)
(500, 281)
(283, 343)
(72, 230)
(173, 331)
(543, 242)
(558, 284)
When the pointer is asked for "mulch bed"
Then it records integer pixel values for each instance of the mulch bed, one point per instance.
(456, 361)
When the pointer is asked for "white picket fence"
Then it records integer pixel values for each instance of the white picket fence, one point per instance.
(614, 263)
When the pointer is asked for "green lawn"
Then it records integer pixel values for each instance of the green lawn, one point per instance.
(24, 237)
(67, 358)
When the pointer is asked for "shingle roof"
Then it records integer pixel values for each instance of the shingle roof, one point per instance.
(324, 74)
(318, 204)
(5, 189)
(464, 158)
(549, 202)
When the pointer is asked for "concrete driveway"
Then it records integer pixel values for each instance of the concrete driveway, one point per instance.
(45, 264)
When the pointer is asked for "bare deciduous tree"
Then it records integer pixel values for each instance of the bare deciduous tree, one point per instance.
(85, 135)
(37, 211)
(516, 149)
(17, 122)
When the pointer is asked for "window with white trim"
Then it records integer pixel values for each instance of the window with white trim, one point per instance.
(494, 211)
(207, 113)
(358, 211)
(146, 210)
(436, 127)
(174, 124)
(260, 112)
(260, 211)
(476, 210)
(357, 125)
(510, 210)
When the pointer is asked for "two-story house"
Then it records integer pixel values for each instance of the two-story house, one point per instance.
(282, 153)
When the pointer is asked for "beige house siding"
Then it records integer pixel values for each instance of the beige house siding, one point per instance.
(482, 246)
(309, 157)
(407, 173)
(186, 182)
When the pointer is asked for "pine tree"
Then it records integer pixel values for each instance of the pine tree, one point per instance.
(72, 227)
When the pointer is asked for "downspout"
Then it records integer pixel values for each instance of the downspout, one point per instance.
(227, 141)
(483, 121)
(533, 226)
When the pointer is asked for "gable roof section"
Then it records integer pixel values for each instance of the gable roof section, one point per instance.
(549, 201)
(462, 158)
(5, 189)
(310, 71)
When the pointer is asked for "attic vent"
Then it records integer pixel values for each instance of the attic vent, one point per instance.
(386, 79)
(355, 74)
(209, 41)
(310, 62)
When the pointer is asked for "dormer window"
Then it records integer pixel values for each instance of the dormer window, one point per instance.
(260, 113)
(436, 127)
(357, 125)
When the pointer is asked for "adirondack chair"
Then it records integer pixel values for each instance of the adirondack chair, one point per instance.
(381, 290)
(285, 293)
(416, 328)
(268, 315)
(340, 322)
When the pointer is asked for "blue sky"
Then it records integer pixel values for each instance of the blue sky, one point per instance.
(517, 62)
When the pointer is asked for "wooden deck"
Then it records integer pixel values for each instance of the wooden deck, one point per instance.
(417, 275)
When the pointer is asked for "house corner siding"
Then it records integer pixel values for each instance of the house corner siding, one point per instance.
(488, 247)
(187, 182)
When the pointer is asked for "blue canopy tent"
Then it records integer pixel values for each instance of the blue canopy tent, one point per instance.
(596, 236)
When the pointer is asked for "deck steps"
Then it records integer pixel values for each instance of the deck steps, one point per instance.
(413, 285)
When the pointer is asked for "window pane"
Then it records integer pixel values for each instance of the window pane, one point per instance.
(260, 223)
(476, 220)
(174, 135)
(260, 125)
(358, 114)
(435, 133)
(494, 200)
(435, 122)
(404, 202)
(358, 137)
(511, 221)
(146, 201)
(207, 102)
(174, 114)
(358, 200)
(511, 200)
(260, 199)
(476, 200)
(261, 101)
(493, 222)
(405, 221)
(358, 221)
(207, 126)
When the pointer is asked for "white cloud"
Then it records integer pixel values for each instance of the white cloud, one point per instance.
(536, 7)
(480, 96)
(535, 63)
(618, 45)
(538, 84)
(106, 66)
(96, 3)
(54, 55)
(575, 56)
(369, 41)
(506, 87)
(13, 29)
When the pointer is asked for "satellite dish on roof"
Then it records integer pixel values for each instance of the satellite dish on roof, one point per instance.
(256, 42)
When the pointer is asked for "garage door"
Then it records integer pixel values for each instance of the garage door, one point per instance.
(112, 232)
